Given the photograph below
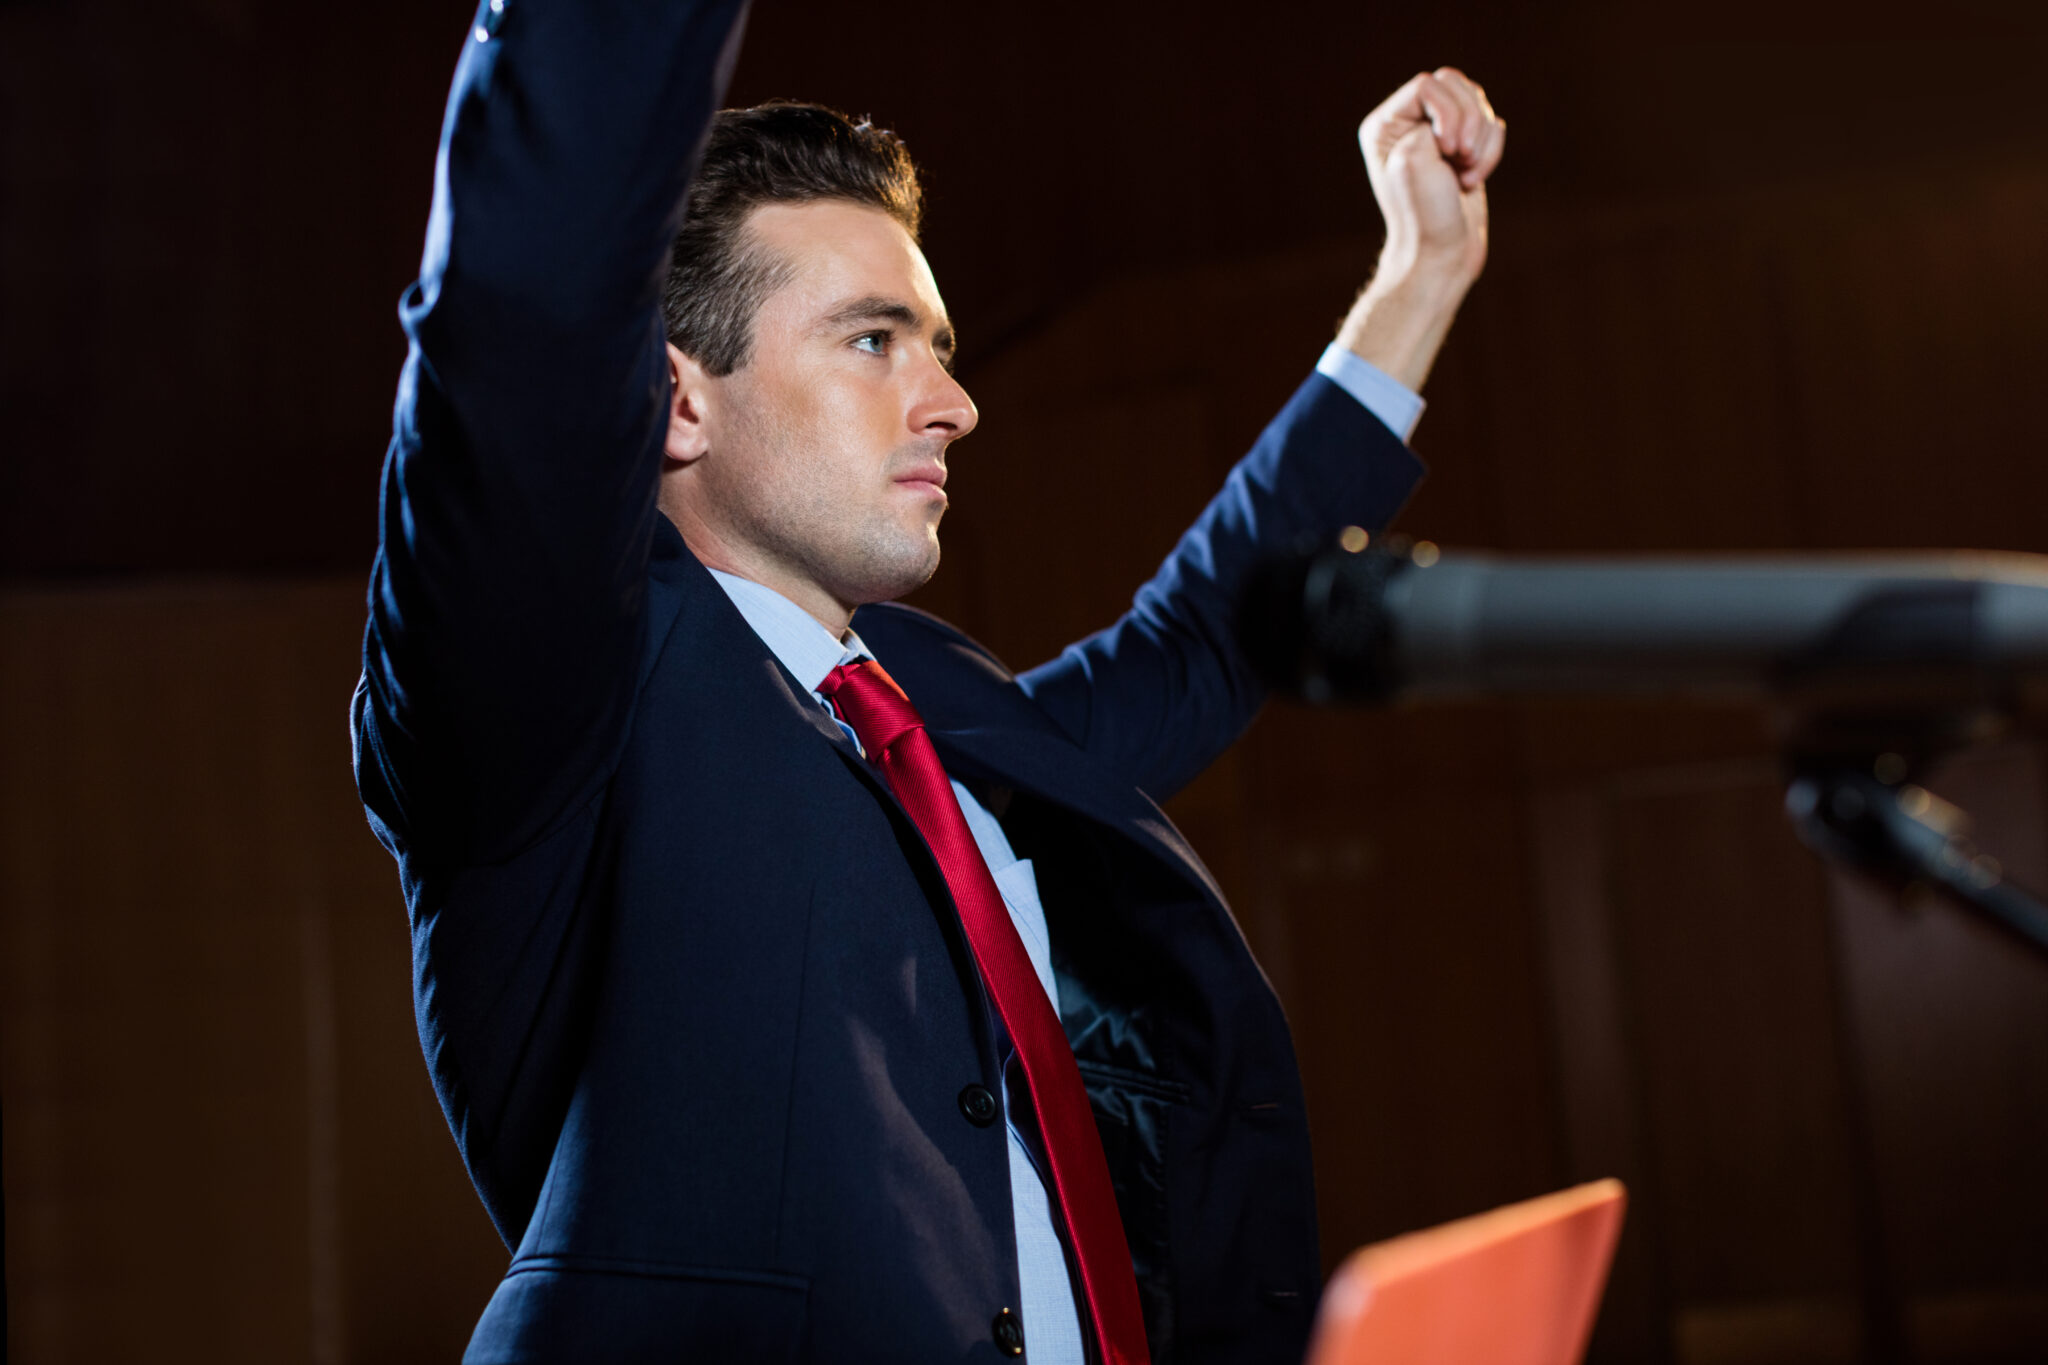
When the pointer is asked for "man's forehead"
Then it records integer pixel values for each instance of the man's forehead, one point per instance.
(848, 262)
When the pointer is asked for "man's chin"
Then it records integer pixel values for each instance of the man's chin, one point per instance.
(911, 583)
(902, 579)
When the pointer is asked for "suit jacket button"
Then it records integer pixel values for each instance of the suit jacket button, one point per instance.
(979, 1106)
(1009, 1333)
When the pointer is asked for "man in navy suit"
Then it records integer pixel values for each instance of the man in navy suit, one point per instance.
(693, 987)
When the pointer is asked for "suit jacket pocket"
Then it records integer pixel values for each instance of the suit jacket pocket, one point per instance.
(595, 1311)
(1132, 1111)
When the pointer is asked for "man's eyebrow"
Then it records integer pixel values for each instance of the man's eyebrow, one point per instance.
(881, 308)
(874, 308)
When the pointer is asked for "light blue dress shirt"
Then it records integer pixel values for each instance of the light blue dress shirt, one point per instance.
(1052, 1317)
(1397, 406)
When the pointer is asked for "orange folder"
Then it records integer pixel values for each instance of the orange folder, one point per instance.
(1517, 1286)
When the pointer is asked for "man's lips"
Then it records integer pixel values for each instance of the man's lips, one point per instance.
(931, 476)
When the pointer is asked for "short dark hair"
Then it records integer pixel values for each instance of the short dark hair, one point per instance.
(777, 153)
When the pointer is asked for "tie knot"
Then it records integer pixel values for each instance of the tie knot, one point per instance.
(869, 700)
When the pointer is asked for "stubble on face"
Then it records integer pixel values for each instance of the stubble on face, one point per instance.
(793, 495)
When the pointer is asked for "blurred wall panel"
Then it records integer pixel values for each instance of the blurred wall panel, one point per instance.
(221, 1144)
(1951, 1024)
(1754, 1151)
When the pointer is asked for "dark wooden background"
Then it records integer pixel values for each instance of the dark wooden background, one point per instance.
(1775, 280)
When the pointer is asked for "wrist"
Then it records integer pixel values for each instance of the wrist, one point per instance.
(1403, 315)
(1426, 275)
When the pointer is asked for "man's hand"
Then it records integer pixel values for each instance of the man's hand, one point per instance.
(1429, 149)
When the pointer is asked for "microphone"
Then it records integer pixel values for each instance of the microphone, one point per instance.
(1948, 630)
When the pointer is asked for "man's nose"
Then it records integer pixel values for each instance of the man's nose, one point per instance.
(944, 408)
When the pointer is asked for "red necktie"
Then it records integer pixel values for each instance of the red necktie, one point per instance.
(893, 734)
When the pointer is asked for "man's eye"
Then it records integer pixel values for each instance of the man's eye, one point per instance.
(874, 343)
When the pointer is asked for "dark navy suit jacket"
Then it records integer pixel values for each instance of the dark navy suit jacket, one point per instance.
(689, 984)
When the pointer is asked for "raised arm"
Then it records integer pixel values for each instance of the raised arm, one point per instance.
(1166, 689)
(518, 497)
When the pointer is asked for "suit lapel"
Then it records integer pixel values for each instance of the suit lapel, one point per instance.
(677, 583)
(1050, 767)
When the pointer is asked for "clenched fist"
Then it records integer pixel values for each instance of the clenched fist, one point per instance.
(1428, 151)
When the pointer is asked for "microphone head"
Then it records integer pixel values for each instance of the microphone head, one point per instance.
(1314, 624)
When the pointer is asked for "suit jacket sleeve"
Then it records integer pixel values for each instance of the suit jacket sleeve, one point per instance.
(518, 497)
(1161, 693)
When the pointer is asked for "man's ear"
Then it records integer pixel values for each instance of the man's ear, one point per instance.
(688, 439)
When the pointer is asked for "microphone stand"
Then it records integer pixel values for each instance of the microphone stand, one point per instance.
(1845, 810)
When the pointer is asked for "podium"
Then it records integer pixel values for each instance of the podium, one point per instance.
(1517, 1286)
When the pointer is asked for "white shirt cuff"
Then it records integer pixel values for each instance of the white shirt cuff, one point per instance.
(1397, 406)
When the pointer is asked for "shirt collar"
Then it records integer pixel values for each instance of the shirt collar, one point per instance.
(793, 635)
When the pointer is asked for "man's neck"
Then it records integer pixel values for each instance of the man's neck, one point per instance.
(714, 552)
